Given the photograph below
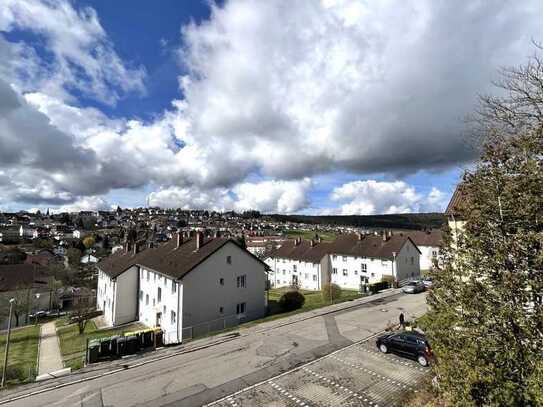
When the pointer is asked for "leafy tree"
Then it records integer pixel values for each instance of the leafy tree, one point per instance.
(74, 256)
(486, 314)
(291, 300)
(89, 241)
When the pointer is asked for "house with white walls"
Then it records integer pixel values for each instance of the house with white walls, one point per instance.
(350, 261)
(429, 243)
(186, 286)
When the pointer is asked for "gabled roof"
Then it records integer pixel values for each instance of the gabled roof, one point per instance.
(168, 259)
(454, 206)
(433, 237)
(349, 245)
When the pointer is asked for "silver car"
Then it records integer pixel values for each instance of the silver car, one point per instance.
(413, 287)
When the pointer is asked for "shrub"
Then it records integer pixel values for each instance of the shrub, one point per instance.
(330, 291)
(291, 300)
(381, 285)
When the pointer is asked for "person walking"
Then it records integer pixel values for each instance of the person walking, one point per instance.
(402, 320)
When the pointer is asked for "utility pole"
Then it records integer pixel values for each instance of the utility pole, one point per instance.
(11, 301)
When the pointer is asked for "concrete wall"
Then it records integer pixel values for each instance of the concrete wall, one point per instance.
(407, 262)
(126, 302)
(149, 305)
(203, 294)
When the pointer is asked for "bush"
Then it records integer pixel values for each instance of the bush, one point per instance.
(291, 300)
(330, 292)
(381, 285)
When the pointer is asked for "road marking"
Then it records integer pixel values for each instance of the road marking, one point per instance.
(361, 395)
(392, 358)
(284, 392)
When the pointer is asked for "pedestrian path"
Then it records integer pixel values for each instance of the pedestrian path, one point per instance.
(50, 359)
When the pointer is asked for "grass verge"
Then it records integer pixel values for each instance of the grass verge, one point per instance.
(23, 354)
(73, 344)
(310, 234)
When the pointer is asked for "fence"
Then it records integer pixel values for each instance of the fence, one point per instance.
(217, 325)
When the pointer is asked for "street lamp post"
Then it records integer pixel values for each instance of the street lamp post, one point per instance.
(11, 301)
(36, 313)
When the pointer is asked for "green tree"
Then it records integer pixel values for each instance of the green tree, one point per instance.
(74, 256)
(89, 241)
(486, 315)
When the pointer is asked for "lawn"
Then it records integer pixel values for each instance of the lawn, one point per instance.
(310, 234)
(23, 354)
(313, 300)
(73, 344)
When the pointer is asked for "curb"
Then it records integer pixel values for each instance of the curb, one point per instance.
(184, 351)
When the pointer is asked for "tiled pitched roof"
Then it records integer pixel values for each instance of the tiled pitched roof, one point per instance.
(348, 245)
(433, 237)
(19, 276)
(165, 258)
(454, 205)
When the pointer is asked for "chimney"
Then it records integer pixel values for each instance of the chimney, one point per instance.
(217, 234)
(179, 241)
(296, 242)
(199, 240)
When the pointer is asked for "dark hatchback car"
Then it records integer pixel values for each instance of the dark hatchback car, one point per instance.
(412, 345)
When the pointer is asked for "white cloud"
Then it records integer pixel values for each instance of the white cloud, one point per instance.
(89, 203)
(376, 197)
(264, 196)
(83, 56)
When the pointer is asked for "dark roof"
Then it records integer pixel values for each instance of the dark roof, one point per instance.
(165, 258)
(370, 245)
(454, 206)
(349, 245)
(301, 251)
(433, 237)
(19, 276)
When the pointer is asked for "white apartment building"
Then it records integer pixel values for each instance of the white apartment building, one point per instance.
(349, 261)
(182, 285)
(429, 243)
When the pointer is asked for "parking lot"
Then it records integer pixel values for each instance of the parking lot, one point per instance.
(358, 375)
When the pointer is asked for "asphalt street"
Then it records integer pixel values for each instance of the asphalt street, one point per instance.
(261, 361)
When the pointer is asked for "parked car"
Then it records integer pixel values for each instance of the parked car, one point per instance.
(413, 287)
(428, 282)
(412, 345)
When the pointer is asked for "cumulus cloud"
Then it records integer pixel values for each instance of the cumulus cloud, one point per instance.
(375, 197)
(88, 203)
(264, 196)
(376, 87)
(83, 56)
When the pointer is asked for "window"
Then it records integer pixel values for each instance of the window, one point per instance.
(159, 294)
(373, 274)
(146, 299)
(240, 308)
(141, 295)
(241, 281)
(284, 261)
(154, 302)
(221, 281)
(173, 317)
(364, 268)
(164, 309)
(148, 275)
(229, 259)
(344, 258)
(434, 253)
(314, 277)
(306, 276)
(221, 310)
(334, 270)
(294, 268)
(345, 273)
(284, 272)
(356, 272)
(174, 287)
(412, 260)
(154, 276)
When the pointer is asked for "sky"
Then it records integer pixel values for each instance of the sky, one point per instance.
(313, 106)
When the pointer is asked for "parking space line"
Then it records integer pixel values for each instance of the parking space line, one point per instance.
(392, 358)
(371, 373)
(360, 395)
(287, 394)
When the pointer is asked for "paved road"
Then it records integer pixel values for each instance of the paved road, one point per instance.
(202, 376)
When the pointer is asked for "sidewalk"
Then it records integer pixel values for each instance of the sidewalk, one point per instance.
(50, 359)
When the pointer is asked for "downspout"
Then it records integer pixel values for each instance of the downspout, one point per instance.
(178, 314)
(394, 280)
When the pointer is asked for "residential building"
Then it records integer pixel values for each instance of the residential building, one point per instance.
(182, 285)
(350, 261)
(9, 234)
(429, 243)
(453, 212)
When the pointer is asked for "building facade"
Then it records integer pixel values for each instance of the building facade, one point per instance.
(185, 286)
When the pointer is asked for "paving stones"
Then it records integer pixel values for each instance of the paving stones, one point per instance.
(355, 376)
